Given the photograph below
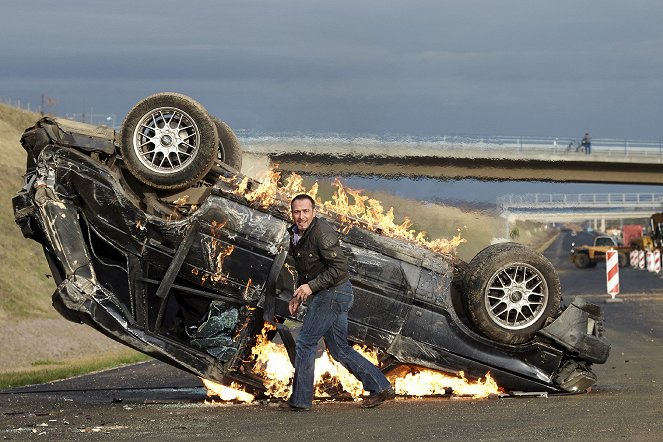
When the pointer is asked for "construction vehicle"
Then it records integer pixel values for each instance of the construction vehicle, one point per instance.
(656, 230)
(652, 240)
(585, 256)
(631, 234)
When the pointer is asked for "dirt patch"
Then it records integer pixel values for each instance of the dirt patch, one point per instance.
(28, 341)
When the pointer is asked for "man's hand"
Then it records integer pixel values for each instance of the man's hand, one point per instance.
(293, 305)
(303, 292)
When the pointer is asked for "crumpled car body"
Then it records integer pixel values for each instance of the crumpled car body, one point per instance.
(130, 271)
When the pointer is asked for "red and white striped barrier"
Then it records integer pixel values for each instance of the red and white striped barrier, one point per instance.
(657, 261)
(612, 272)
(650, 261)
(633, 254)
(641, 259)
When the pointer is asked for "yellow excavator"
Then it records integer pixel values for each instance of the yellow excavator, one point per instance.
(654, 239)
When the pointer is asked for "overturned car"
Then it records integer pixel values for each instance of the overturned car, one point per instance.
(150, 243)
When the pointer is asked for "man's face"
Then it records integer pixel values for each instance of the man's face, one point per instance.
(302, 213)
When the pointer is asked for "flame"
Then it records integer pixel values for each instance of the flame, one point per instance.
(181, 201)
(249, 283)
(233, 392)
(426, 382)
(273, 365)
(332, 380)
(350, 206)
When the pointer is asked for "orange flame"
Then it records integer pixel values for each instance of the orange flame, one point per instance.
(332, 379)
(350, 206)
(426, 382)
(233, 392)
(249, 283)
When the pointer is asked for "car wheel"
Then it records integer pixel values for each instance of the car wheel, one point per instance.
(623, 259)
(168, 141)
(230, 151)
(581, 261)
(511, 291)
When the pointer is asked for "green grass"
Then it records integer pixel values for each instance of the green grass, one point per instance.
(46, 370)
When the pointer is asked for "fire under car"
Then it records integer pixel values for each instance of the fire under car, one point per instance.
(150, 242)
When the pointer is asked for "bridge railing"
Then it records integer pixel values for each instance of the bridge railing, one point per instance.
(563, 200)
(548, 145)
(561, 146)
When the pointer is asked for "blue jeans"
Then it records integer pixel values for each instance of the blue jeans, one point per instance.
(327, 317)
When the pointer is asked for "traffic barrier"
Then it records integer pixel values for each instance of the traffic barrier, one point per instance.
(612, 272)
(633, 254)
(650, 261)
(657, 261)
(641, 259)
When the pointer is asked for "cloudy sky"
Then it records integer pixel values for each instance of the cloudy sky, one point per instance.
(474, 67)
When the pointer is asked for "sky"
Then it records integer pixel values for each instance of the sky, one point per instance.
(427, 68)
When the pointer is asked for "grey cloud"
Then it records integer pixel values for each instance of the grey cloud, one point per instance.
(430, 67)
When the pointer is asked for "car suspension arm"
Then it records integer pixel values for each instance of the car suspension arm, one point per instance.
(173, 270)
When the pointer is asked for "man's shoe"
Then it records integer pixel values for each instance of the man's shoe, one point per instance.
(286, 406)
(376, 399)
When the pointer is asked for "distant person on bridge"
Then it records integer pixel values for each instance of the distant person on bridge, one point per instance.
(586, 143)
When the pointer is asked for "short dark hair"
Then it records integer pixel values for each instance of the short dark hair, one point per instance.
(303, 196)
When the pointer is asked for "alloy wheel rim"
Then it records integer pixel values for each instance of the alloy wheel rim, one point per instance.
(166, 140)
(516, 296)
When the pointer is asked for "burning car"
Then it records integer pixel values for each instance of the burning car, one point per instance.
(156, 240)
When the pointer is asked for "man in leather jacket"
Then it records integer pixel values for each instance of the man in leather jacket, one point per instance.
(322, 270)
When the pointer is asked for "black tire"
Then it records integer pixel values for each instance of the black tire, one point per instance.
(510, 292)
(623, 259)
(230, 151)
(168, 141)
(582, 261)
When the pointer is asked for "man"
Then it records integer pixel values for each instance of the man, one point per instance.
(586, 143)
(322, 273)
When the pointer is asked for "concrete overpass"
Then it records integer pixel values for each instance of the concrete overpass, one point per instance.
(508, 161)
(596, 207)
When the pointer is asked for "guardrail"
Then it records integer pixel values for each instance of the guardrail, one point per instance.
(556, 145)
(547, 145)
(588, 200)
(603, 146)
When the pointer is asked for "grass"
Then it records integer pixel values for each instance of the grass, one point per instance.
(46, 370)
(24, 288)
(39, 362)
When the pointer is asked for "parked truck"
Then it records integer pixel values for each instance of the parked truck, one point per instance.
(586, 256)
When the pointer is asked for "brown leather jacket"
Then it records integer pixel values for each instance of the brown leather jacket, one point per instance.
(319, 259)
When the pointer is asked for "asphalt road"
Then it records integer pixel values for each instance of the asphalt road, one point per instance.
(154, 401)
